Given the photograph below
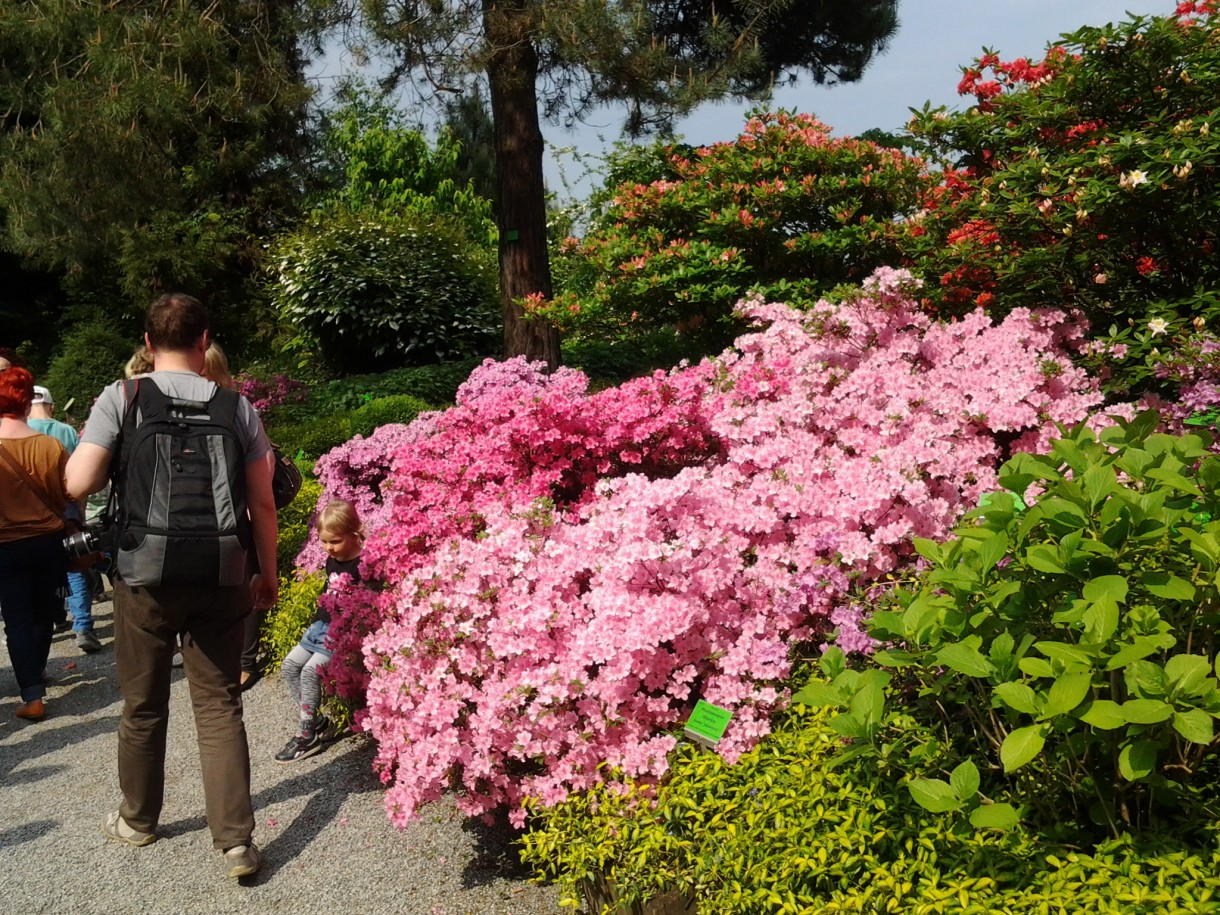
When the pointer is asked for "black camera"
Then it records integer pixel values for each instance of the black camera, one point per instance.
(88, 540)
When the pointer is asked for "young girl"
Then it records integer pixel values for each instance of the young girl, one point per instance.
(342, 537)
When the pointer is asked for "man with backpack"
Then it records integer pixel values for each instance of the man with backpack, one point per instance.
(191, 469)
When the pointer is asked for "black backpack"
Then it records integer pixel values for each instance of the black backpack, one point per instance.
(180, 489)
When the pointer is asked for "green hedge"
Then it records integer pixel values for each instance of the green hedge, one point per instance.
(400, 408)
(311, 439)
(433, 384)
(382, 290)
(284, 624)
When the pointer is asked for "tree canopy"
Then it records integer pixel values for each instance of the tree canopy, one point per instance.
(564, 58)
(147, 144)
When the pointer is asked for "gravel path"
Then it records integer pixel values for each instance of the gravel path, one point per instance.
(327, 843)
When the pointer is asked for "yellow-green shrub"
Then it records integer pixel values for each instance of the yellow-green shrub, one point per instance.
(285, 623)
(782, 830)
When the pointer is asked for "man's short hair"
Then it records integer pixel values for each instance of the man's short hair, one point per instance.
(175, 321)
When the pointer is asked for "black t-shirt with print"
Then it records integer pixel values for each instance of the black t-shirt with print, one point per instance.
(335, 568)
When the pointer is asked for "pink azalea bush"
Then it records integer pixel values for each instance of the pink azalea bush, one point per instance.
(264, 393)
(568, 572)
(515, 435)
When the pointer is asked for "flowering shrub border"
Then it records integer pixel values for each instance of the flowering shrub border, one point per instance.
(567, 572)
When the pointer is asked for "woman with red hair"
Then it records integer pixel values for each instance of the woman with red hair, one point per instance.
(32, 562)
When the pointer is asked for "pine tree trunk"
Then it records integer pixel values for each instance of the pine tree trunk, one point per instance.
(512, 72)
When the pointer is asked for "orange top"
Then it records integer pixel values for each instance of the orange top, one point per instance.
(22, 513)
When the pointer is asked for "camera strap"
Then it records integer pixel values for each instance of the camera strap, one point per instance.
(33, 484)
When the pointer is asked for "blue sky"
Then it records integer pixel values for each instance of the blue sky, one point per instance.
(923, 62)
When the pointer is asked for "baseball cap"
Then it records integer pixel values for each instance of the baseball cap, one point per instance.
(42, 395)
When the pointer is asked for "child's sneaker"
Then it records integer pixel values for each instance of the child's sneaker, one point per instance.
(307, 743)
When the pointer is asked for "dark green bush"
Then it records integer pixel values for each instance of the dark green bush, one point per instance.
(91, 356)
(611, 362)
(381, 291)
(400, 408)
(433, 384)
(312, 438)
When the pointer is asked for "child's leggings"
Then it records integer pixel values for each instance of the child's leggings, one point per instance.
(300, 671)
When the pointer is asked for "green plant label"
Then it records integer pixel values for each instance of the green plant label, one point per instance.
(706, 723)
(1018, 503)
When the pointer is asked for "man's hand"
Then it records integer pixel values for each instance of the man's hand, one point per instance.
(265, 591)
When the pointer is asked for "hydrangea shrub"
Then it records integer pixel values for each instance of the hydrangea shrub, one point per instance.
(567, 572)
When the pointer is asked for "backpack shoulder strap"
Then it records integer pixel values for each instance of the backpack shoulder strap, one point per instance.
(118, 462)
(223, 407)
(149, 400)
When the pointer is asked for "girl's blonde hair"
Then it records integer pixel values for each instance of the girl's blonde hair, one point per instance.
(339, 516)
(216, 366)
(140, 363)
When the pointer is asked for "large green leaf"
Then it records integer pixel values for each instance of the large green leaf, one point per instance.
(994, 816)
(1187, 672)
(934, 795)
(1067, 692)
(1044, 559)
(868, 704)
(849, 726)
(1204, 547)
(1104, 714)
(833, 662)
(1146, 711)
(1001, 648)
(1036, 667)
(919, 618)
(931, 550)
(1168, 586)
(1140, 648)
(1146, 679)
(1195, 725)
(965, 660)
(1098, 484)
(1101, 620)
(1173, 480)
(1021, 746)
(818, 694)
(1137, 760)
(992, 550)
(965, 780)
(1018, 696)
(1113, 587)
(1062, 651)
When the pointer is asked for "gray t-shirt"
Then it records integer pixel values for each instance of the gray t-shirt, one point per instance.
(106, 417)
